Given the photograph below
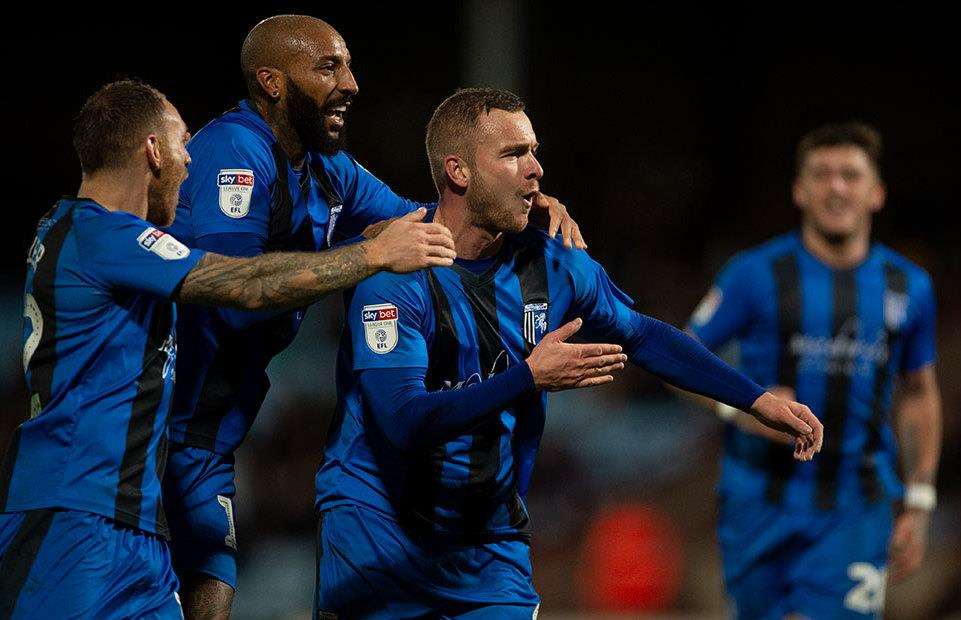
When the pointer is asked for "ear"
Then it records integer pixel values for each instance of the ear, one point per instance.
(797, 194)
(458, 174)
(271, 83)
(879, 197)
(152, 150)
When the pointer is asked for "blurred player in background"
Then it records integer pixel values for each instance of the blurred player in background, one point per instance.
(442, 387)
(837, 321)
(268, 175)
(82, 529)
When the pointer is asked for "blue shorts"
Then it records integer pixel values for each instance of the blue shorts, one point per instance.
(369, 568)
(198, 492)
(73, 564)
(818, 564)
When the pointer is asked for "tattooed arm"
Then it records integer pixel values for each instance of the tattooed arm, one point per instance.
(296, 279)
(918, 427)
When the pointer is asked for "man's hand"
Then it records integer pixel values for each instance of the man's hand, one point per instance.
(408, 244)
(792, 418)
(559, 219)
(908, 542)
(558, 365)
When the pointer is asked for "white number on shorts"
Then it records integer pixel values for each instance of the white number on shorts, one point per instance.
(868, 595)
(31, 312)
(231, 538)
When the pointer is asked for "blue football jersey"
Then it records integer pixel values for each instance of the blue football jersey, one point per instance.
(839, 338)
(99, 350)
(460, 328)
(241, 183)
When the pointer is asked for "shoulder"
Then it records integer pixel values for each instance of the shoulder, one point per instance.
(917, 278)
(534, 242)
(232, 133)
(385, 286)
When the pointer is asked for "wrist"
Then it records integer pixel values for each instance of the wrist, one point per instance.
(920, 496)
(372, 255)
(530, 368)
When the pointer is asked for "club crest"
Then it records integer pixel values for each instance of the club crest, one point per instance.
(535, 322)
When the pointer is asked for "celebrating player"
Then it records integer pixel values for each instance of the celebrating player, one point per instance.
(442, 387)
(268, 175)
(832, 319)
(82, 529)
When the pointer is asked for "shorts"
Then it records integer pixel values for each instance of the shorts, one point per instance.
(198, 491)
(818, 564)
(369, 568)
(74, 564)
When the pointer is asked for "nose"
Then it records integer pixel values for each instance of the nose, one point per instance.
(536, 171)
(347, 83)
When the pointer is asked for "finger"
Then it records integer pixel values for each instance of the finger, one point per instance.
(435, 229)
(606, 370)
(606, 360)
(555, 222)
(415, 216)
(439, 261)
(579, 238)
(565, 331)
(440, 239)
(795, 422)
(567, 224)
(593, 381)
(441, 251)
(805, 414)
(594, 349)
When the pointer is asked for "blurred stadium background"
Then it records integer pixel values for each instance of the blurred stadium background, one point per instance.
(669, 133)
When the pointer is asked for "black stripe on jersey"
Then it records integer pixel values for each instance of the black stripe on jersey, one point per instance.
(224, 379)
(442, 372)
(19, 557)
(44, 359)
(9, 460)
(143, 415)
(530, 267)
(281, 234)
(160, 466)
(895, 282)
(787, 285)
(838, 392)
(484, 456)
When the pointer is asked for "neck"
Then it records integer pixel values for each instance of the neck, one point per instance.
(287, 138)
(843, 253)
(470, 242)
(113, 190)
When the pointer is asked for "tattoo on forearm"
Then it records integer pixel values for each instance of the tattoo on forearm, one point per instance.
(276, 280)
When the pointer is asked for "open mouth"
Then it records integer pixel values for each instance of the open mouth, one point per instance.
(335, 115)
(528, 198)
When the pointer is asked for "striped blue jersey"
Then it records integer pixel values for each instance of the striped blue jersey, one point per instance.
(839, 338)
(242, 184)
(99, 350)
(459, 328)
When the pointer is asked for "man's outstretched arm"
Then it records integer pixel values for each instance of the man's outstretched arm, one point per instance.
(296, 279)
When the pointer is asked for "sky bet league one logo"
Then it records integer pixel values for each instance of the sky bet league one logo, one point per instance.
(380, 327)
(236, 186)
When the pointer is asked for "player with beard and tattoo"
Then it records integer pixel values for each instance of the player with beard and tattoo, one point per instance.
(442, 383)
(839, 321)
(82, 529)
(268, 175)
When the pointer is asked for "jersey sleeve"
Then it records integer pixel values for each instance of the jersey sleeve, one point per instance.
(727, 308)
(387, 318)
(919, 346)
(366, 198)
(228, 189)
(120, 251)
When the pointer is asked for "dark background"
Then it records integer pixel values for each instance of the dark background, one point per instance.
(669, 133)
